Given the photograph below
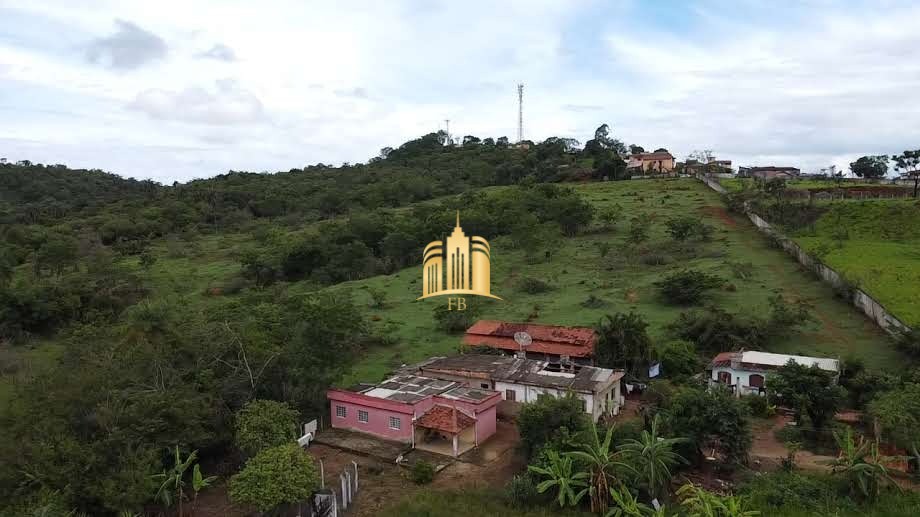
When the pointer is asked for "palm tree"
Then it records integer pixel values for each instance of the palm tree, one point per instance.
(173, 481)
(600, 457)
(860, 462)
(652, 457)
(570, 485)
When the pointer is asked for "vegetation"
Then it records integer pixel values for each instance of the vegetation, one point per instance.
(422, 473)
(687, 287)
(277, 475)
(810, 391)
(261, 424)
(550, 421)
(622, 342)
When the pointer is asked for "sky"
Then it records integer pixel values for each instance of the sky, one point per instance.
(176, 90)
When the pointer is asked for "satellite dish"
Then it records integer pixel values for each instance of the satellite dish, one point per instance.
(523, 339)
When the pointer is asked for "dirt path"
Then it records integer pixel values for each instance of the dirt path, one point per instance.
(720, 213)
(768, 450)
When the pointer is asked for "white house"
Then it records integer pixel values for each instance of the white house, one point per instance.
(521, 380)
(748, 372)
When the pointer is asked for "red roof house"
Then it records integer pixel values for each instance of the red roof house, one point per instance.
(549, 342)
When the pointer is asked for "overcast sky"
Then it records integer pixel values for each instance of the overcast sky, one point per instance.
(175, 90)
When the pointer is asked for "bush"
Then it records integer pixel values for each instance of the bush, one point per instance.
(678, 359)
(533, 285)
(593, 302)
(550, 420)
(278, 475)
(683, 228)
(422, 473)
(521, 491)
(759, 406)
(265, 423)
(455, 320)
(687, 287)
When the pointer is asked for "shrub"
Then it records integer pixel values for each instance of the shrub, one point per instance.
(284, 474)
(653, 258)
(638, 231)
(532, 285)
(687, 287)
(683, 228)
(521, 491)
(455, 320)
(678, 359)
(550, 420)
(593, 302)
(422, 473)
(759, 406)
(265, 423)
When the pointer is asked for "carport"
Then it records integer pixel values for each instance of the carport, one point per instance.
(445, 430)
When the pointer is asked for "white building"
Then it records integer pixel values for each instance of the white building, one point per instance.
(522, 380)
(748, 372)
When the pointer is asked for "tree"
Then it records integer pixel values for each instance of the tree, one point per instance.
(265, 423)
(870, 166)
(909, 163)
(623, 342)
(471, 140)
(570, 486)
(662, 150)
(687, 287)
(860, 463)
(898, 413)
(652, 458)
(277, 475)
(678, 359)
(709, 419)
(550, 421)
(808, 390)
(601, 460)
(683, 228)
(172, 482)
(636, 149)
(701, 503)
(502, 141)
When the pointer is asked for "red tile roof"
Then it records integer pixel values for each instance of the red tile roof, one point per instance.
(722, 359)
(547, 339)
(445, 418)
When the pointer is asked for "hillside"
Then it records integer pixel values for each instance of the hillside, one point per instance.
(137, 324)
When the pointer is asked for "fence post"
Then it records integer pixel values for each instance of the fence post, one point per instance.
(344, 492)
(355, 463)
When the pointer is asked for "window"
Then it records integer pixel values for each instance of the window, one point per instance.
(509, 395)
(725, 377)
(756, 380)
(484, 385)
(341, 412)
(362, 416)
(395, 423)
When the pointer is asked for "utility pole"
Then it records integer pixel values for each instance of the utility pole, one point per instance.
(520, 90)
(447, 139)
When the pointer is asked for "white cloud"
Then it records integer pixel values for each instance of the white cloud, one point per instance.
(319, 81)
(227, 104)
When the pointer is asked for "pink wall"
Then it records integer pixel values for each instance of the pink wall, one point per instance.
(379, 412)
(485, 424)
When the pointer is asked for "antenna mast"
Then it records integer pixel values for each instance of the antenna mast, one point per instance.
(447, 139)
(520, 89)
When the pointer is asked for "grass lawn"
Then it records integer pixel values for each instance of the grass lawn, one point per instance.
(578, 271)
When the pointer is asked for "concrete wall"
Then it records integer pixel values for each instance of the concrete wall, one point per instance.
(868, 305)
(741, 377)
(485, 424)
(378, 422)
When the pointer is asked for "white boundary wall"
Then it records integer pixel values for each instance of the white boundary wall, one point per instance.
(868, 305)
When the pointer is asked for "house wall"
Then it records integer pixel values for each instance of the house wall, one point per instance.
(378, 422)
(741, 377)
(485, 424)
(525, 393)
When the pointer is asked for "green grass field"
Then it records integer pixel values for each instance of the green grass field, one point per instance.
(577, 271)
(876, 246)
(736, 184)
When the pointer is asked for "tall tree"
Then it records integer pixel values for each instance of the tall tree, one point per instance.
(908, 163)
(808, 390)
(870, 166)
(623, 342)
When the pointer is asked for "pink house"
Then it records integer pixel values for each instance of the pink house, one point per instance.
(431, 414)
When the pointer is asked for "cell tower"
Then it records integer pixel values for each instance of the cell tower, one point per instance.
(520, 112)
(447, 139)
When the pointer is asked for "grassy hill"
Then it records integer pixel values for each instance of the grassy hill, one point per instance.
(876, 246)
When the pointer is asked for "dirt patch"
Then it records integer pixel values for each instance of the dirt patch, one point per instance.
(720, 213)
(767, 450)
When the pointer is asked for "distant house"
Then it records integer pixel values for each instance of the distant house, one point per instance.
(769, 173)
(657, 162)
(747, 373)
(521, 380)
(549, 342)
(694, 167)
(436, 415)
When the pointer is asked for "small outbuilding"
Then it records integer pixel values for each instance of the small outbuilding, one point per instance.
(547, 342)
